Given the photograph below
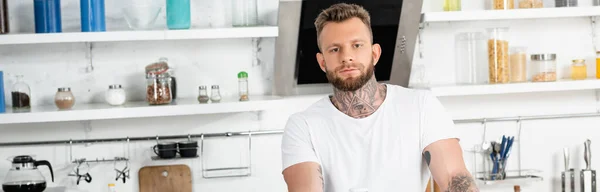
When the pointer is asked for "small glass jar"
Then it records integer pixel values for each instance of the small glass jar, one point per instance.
(527, 4)
(215, 94)
(452, 5)
(203, 94)
(245, 13)
(162, 67)
(499, 64)
(565, 3)
(115, 95)
(518, 64)
(243, 85)
(158, 90)
(502, 4)
(21, 95)
(64, 99)
(543, 67)
(578, 69)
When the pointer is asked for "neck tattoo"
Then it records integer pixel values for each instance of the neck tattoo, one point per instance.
(362, 102)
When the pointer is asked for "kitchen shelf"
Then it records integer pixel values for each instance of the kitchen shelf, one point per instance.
(74, 37)
(511, 180)
(536, 13)
(138, 110)
(529, 87)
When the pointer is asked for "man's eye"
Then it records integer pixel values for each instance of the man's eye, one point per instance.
(357, 45)
(334, 50)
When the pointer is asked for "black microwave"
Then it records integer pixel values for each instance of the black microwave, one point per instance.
(395, 25)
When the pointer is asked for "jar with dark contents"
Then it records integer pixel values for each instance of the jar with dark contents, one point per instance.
(21, 95)
(203, 94)
(158, 90)
(162, 67)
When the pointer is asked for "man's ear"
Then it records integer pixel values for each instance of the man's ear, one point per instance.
(376, 53)
(321, 60)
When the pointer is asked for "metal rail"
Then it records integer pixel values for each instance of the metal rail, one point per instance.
(272, 132)
(124, 139)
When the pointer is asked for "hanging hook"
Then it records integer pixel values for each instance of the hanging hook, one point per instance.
(128, 152)
(71, 150)
(189, 137)
(156, 138)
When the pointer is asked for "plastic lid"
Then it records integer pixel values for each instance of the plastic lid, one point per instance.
(242, 74)
(111, 184)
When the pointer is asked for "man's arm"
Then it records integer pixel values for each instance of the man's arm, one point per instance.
(304, 177)
(445, 160)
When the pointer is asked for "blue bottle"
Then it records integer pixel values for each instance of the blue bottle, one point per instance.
(47, 16)
(92, 16)
(178, 14)
(2, 102)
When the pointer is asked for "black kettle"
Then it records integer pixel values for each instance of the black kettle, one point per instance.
(24, 175)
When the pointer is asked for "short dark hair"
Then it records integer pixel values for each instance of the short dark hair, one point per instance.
(341, 12)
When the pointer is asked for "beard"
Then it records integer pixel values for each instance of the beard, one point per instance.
(350, 83)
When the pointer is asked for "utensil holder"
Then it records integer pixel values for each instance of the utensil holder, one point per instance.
(568, 180)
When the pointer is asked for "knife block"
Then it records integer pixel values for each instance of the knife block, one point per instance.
(568, 180)
(588, 180)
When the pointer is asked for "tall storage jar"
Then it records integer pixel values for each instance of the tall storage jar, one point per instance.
(543, 67)
(501, 4)
(245, 13)
(158, 90)
(518, 64)
(470, 58)
(498, 55)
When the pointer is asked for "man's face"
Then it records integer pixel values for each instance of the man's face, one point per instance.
(347, 54)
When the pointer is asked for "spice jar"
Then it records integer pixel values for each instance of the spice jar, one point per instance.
(578, 69)
(518, 64)
(162, 67)
(64, 99)
(498, 61)
(21, 95)
(502, 4)
(525, 4)
(543, 67)
(158, 90)
(243, 85)
(203, 94)
(215, 94)
(115, 95)
(452, 5)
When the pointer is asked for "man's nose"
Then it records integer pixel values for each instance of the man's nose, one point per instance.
(347, 57)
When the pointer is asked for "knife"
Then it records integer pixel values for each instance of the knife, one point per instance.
(566, 154)
(588, 155)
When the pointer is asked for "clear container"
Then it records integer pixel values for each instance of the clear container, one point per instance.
(141, 15)
(215, 94)
(518, 64)
(596, 2)
(244, 13)
(115, 95)
(526, 4)
(498, 55)
(452, 5)
(543, 67)
(203, 94)
(21, 95)
(178, 14)
(565, 3)
(158, 90)
(243, 85)
(64, 98)
(578, 69)
(162, 67)
(502, 4)
(471, 58)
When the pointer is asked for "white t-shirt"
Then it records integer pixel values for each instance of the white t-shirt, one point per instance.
(380, 153)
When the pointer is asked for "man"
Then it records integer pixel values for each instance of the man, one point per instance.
(368, 136)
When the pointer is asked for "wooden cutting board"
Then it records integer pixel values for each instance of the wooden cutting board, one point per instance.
(165, 178)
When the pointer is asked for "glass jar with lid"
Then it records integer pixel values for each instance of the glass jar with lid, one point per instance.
(21, 95)
(518, 64)
(578, 69)
(452, 5)
(526, 4)
(203, 94)
(543, 67)
(498, 55)
(158, 89)
(162, 67)
(471, 58)
(502, 4)
(64, 98)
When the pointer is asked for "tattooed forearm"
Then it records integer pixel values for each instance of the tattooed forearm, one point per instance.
(462, 183)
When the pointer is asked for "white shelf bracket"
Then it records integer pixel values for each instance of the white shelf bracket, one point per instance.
(87, 129)
(89, 56)
(597, 94)
(420, 39)
(594, 36)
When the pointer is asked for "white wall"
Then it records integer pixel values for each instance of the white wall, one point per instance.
(206, 62)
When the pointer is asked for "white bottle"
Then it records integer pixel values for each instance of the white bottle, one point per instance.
(115, 95)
